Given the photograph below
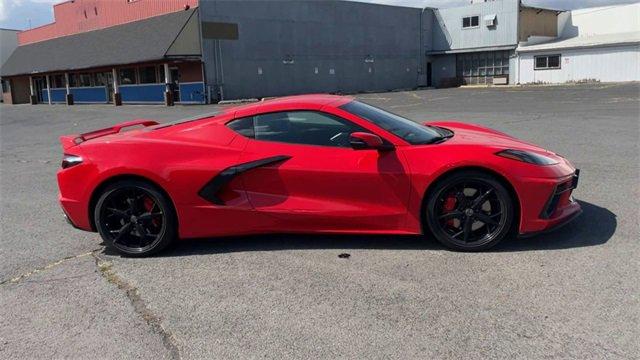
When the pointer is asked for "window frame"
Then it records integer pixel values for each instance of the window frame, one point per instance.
(58, 81)
(134, 72)
(547, 67)
(140, 72)
(5, 86)
(84, 76)
(239, 119)
(347, 122)
(471, 26)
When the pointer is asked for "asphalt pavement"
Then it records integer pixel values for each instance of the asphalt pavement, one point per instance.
(568, 294)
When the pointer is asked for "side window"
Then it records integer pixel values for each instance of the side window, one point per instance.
(304, 127)
(242, 126)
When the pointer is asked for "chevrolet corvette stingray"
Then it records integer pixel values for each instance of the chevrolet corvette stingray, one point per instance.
(310, 164)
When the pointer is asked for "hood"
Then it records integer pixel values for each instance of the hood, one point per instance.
(471, 134)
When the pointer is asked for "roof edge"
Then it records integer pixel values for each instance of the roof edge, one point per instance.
(578, 46)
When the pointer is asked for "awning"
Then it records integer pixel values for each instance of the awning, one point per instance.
(470, 50)
(490, 20)
(150, 39)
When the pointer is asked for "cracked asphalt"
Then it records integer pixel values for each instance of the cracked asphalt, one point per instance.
(568, 294)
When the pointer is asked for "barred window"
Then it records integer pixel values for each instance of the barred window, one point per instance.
(546, 62)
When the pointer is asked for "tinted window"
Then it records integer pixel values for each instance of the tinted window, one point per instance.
(147, 75)
(541, 62)
(127, 76)
(84, 80)
(304, 127)
(242, 126)
(406, 129)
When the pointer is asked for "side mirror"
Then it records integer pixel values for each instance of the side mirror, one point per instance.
(363, 140)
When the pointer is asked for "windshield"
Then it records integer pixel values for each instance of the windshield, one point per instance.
(406, 129)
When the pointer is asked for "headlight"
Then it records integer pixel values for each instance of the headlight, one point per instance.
(70, 160)
(527, 156)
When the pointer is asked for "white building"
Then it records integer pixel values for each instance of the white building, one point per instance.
(594, 44)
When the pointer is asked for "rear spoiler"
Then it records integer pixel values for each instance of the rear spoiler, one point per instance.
(69, 141)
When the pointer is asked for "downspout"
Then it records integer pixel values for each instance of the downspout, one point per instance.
(206, 94)
(221, 70)
(421, 52)
(515, 52)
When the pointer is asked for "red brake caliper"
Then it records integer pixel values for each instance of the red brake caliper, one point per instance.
(449, 204)
(148, 206)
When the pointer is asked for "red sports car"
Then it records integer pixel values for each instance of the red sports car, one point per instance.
(310, 164)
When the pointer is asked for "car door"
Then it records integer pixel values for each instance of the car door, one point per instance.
(306, 177)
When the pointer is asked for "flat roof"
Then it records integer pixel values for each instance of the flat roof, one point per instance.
(584, 42)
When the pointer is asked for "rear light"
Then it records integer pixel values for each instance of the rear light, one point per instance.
(70, 160)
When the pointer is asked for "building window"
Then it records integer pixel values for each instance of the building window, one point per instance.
(470, 22)
(148, 75)
(481, 67)
(58, 81)
(5, 86)
(84, 80)
(161, 73)
(546, 62)
(127, 76)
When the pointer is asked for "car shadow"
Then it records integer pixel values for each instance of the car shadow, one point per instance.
(594, 227)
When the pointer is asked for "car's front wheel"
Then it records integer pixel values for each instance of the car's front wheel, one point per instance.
(135, 218)
(470, 211)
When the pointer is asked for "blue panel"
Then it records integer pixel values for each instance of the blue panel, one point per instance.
(89, 94)
(58, 95)
(142, 93)
(192, 93)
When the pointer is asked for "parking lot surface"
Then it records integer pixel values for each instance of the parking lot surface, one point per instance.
(570, 294)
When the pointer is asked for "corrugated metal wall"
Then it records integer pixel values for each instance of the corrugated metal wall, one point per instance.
(294, 47)
(449, 34)
(606, 64)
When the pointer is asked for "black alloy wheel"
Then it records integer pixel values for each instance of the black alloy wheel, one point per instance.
(135, 218)
(470, 211)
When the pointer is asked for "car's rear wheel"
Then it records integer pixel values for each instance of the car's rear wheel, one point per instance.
(135, 218)
(470, 211)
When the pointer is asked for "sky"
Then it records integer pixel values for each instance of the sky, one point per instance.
(23, 14)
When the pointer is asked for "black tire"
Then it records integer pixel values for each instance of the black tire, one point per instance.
(135, 218)
(469, 211)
